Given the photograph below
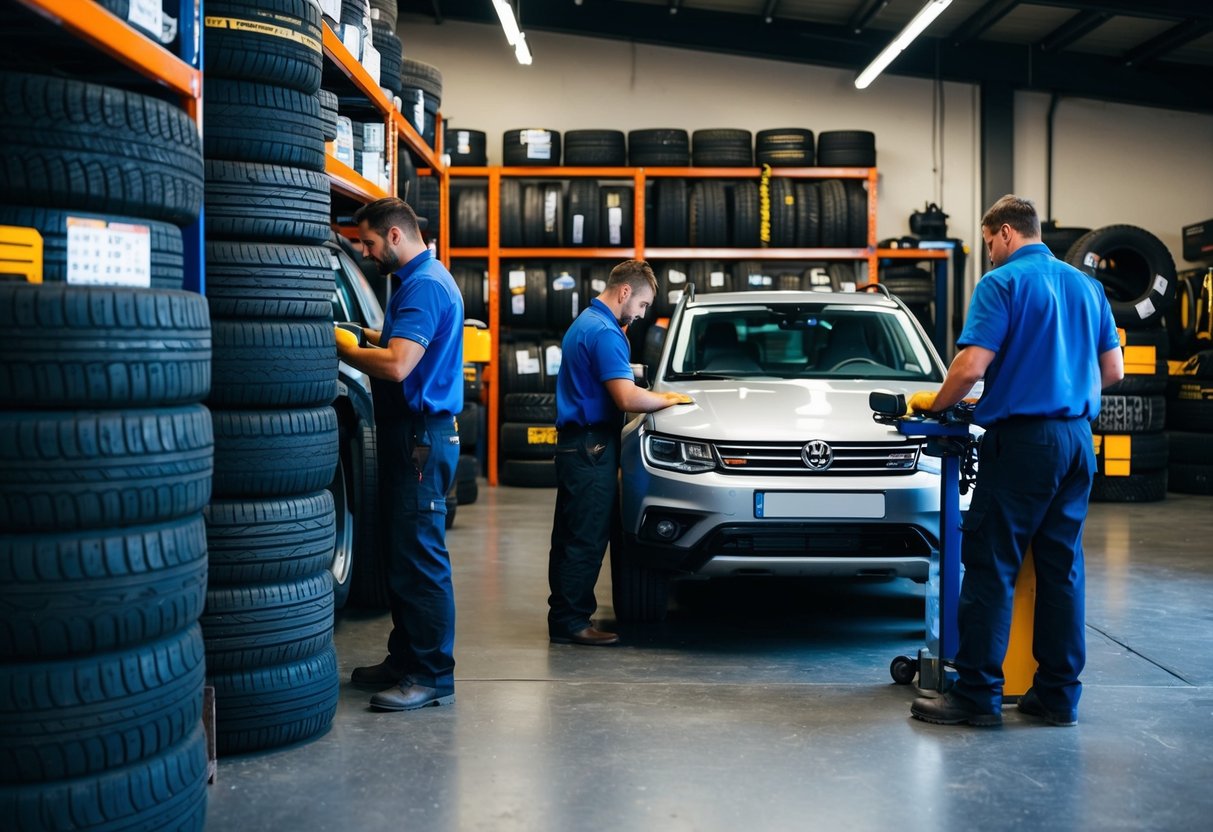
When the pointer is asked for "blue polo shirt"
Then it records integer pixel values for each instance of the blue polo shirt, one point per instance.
(428, 309)
(1048, 323)
(594, 351)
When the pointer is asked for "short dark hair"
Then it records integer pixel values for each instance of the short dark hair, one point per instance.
(385, 213)
(635, 273)
(1017, 212)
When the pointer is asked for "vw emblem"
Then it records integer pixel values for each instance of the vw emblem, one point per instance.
(817, 455)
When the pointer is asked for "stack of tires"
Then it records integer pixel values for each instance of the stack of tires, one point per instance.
(105, 464)
(269, 609)
(421, 94)
(1190, 388)
(528, 370)
(1138, 276)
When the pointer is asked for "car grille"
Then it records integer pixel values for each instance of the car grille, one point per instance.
(850, 458)
(827, 540)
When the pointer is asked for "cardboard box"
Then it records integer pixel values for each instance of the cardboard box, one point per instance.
(1198, 242)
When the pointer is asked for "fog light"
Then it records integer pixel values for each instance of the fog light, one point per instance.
(666, 529)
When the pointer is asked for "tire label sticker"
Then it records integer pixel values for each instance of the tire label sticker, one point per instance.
(538, 143)
(265, 27)
(541, 436)
(716, 279)
(463, 142)
(517, 281)
(551, 201)
(676, 276)
(146, 15)
(528, 365)
(518, 306)
(551, 359)
(615, 226)
(1145, 309)
(1160, 285)
(108, 254)
(578, 229)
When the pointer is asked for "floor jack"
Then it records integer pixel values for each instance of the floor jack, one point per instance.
(949, 437)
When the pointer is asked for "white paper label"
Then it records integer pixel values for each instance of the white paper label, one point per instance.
(484, 289)
(518, 304)
(598, 286)
(1090, 259)
(372, 136)
(716, 279)
(614, 226)
(551, 201)
(370, 57)
(351, 39)
(463, 142)
(1160, 285)
(576, 304)
(332, 8)
(551, 359)
(528, 365)
(676, 276)
(146, 14)
(674, 296)
(847, 285)
(517, 279)
(418, 110)
(578, 229)
(564, 282)
(1145, 309)
(117, 254)
(538, 143)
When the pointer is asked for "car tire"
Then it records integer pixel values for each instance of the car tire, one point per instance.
(266, 203)
(368, 577)
(269, 540)
(274, 453)
(255, 625)
(639, 594)
(267, 41)
(273, 363)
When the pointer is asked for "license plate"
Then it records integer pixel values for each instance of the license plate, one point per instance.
(818, 504)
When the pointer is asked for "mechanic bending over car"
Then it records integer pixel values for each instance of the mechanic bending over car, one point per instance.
(1041, 333)
(594, 388)
(417, 382)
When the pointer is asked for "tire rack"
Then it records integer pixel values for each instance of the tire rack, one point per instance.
(940, 266)
(182, 75)
(493, 252)
(348, 182)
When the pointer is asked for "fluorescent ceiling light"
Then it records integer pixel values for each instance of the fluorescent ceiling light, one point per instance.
(913, 29)
(513, 35)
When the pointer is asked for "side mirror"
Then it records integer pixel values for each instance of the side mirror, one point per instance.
(887, 404)
(640, 375)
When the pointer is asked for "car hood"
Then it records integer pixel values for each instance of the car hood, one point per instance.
(779, 410)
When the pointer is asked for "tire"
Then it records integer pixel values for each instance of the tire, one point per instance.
(616, 204)
(1147, 452)
(707, 214)
(671, 201)
(166, 264)
(523, 440)
(1180, 319)
(915, 286)
(469, 426)
(1130, 414)
(581, 213)
(529, 407)
(263, 624)
(565, 301)
(808, 214)
(542, 214)
(784, 147)
(328, 115)
(1135, 268)
(528, 473)
(467, 492)
(846, 149)
(857, 215)
(254, 280)
(422, 76)
(385, 10)
(595, 148)
(710, 276)
(75, 145)
(267, 41)
(1191, 405)
(531, 147)
(722, 148)
(1135, 488)
(511, 213)
(84, 716)
(74, 593)
(165, 792)
(274, 453)
(1184, 478)
(421, 110)
(368, 587)
(638, 594)
(671, 285)
(269, 541)
(471, 217)
(659, 148)
(102, 346)
(263, 364)
(266, 203)
(1059, 240)
(467, 148)
(65, 471)
(746, 215)
(524, 297)
(1143, 348)
(833, 213)
(391, 53)
(267, 707)
(247, 122)
(783, 212)
(471, 283)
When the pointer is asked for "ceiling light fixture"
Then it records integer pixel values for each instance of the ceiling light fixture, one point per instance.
(913, 29)
(513, 35)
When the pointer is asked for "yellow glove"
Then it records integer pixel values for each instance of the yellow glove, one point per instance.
(345, 338)
(921, 402)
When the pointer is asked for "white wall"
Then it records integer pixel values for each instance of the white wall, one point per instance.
(1112, 164)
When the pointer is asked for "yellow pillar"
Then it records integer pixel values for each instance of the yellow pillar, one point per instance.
(1019, 666)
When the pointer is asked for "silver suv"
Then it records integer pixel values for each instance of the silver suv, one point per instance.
(778, 467)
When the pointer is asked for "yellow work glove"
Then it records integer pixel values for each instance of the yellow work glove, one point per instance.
(921, 402)
(345, 338)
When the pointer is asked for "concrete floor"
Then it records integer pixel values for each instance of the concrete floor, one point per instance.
(757, 706)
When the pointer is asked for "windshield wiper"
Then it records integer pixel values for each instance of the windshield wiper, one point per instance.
(697, 374)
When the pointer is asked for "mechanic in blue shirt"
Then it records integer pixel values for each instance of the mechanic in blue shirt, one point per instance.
(417, 380)
(1041, 333)
(594, 388)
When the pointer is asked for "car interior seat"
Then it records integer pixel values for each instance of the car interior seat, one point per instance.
(848, 339)
(720, 350)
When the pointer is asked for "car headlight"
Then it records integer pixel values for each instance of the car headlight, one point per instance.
(678, 454)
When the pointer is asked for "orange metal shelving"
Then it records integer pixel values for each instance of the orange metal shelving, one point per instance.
(494, 254)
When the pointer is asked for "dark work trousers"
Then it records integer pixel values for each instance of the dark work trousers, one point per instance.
(1033, 483)
(587, 473)
(413, 512)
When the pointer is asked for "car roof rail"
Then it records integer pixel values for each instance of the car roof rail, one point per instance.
(868, 287)
(691, 292)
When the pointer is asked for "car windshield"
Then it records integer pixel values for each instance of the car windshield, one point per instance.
(826, 340)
